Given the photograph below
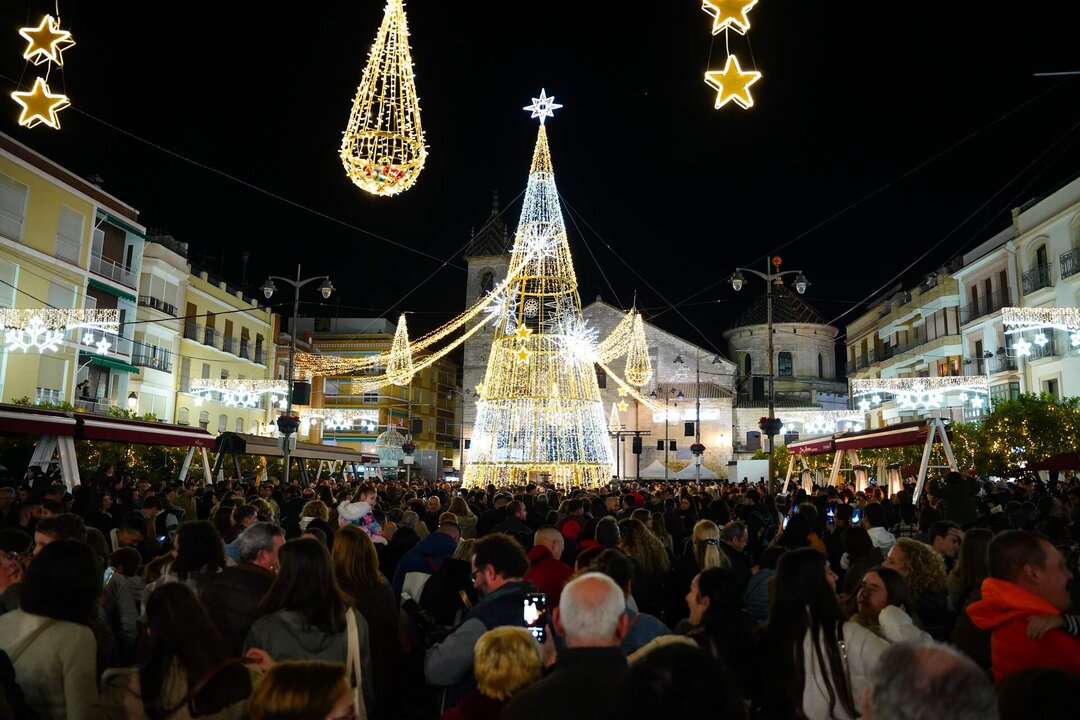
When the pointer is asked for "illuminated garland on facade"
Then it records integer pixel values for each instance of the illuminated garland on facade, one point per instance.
(44, 329)
(383, 148)
(239, 393)
(343, 420)
(822, 422)
(540, 415)
(922, 392)
(1017, 320)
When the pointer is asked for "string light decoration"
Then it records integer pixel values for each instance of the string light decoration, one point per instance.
(729, 14)
(44, 329)
(45, 44)
(240, 393)
(638, 364)
(399, 366)
(383, 148)
(542, 417)
(919, 393)
(366, 420)
(732, 84)
(614, 421)
(822, 422)
(1017, 319)
(40, 105)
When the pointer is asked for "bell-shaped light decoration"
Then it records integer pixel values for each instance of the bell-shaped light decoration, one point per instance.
(638, 364)
(399, 366)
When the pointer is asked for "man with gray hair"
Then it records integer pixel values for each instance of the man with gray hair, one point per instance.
(232, 596)
(928, 681)
(591, 618)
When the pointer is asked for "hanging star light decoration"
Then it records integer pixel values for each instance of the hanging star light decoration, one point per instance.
(1075, 339)
(1022, 347)
(623, 392)
(864, 405)
(623, 406)
(729, 14)
(383, 148)
(543, 107)
(102, 346)
(46, 42)
(1041, 340)
(522, 332)
(40, 105)
(732, 84)
(523, 355)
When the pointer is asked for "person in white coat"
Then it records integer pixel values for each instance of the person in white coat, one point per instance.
(812, 664)
(884, 604)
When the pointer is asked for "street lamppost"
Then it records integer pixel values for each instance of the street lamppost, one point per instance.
(771, 277)
(667, 394)
(288, 423)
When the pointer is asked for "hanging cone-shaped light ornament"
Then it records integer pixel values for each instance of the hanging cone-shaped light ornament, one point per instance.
(638, 365)
(614, 422)
(399, 366)
(383, 149)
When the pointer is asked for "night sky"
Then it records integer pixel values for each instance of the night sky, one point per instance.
(855, 95)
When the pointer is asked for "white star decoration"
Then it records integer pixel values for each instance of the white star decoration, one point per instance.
(1022, 347)
(543, 107)
(864, 405)
(1075, 337)
(102, 346)
(88, 339)
(1041, 340)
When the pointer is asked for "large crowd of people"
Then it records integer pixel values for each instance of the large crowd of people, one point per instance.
(357, 598)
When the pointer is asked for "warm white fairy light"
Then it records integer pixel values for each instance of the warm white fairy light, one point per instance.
(638, 364)
(383, 148)
(44, 329)
(540, 414)
(820, 422)
(244, 393)
(399, 366)
(1017, 319)
(614, 421)
(867, 386)
(617, 342)
(864, 405)
(366, 420)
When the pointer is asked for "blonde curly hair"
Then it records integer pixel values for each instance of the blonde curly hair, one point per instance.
(316, 509)
(643, 547)
(925, 568)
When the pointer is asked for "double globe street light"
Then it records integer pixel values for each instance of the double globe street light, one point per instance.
(288, 423)
(771, 276)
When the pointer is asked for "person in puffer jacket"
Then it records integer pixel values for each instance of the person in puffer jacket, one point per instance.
(1028, 578)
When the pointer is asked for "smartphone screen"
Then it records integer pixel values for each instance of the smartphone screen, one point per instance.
(856, 516)
(534, 612)
(786, 520)
(108, 575)
(831, 513)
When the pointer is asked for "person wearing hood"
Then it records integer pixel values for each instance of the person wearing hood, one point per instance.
(303, 616)
(547, 571)
(1028, 579)
(428, 555)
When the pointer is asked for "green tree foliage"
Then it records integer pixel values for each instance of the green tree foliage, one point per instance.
(1026, 430)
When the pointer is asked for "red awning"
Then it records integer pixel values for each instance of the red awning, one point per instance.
(812, 446)
(19, 420)
(1064, 461)
(108, 429)
(891, 436)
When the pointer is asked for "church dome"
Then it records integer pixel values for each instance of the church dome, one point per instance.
(787, 307)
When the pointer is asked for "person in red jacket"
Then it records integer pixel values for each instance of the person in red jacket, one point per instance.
(1028, 578)
(547, 572)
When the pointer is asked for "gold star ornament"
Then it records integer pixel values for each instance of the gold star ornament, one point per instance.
(46, 42)
(623, 406)
(732, 84)
(480, 389)
(729, 14)
(623, 392)
(523, 332)
(40, 106)
(523, 355)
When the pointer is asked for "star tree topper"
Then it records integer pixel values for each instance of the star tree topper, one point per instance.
(729, 14)
(40, 106)
(732, 83)
(543, 107)
(46, 42)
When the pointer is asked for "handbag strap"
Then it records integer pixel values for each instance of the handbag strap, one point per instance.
(203, 682)
(14, 654)
(352, 663)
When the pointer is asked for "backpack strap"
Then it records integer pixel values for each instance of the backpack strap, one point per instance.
(16, 652)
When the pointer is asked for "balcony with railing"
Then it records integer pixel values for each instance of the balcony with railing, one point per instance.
(158, 304)
(117, 344)
(68, 249)
(152, 356)
(1036, 279)
(984, 306)
(92, 406)
(230, 344)
(1070, 263)
(1050, 348)
(191, 331)
(49, 395)
(260, 356)
(111, 269)
(245, 349)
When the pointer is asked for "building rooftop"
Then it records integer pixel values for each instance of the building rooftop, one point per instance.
(493, 238)
(788, 307)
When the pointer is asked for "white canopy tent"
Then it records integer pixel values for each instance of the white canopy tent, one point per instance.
(688, 473)
(655, 471)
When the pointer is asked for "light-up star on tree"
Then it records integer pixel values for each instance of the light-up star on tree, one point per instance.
(729, 14)
(732, 83)
(543, 107)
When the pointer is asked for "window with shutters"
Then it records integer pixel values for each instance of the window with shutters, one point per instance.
(182, 416)
(204, 419)
(69, 232)
(13, 196)
(9, 273)
(222, 423)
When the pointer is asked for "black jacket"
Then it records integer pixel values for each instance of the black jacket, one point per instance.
(516, 529)
(231, 598)
(582, 685)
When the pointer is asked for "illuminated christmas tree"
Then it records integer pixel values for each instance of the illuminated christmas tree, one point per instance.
(540, 416)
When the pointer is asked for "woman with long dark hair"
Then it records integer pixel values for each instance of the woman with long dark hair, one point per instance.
(717, 620)
(303, 616)
(188, 670)
(812, 664)
(199, 555)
